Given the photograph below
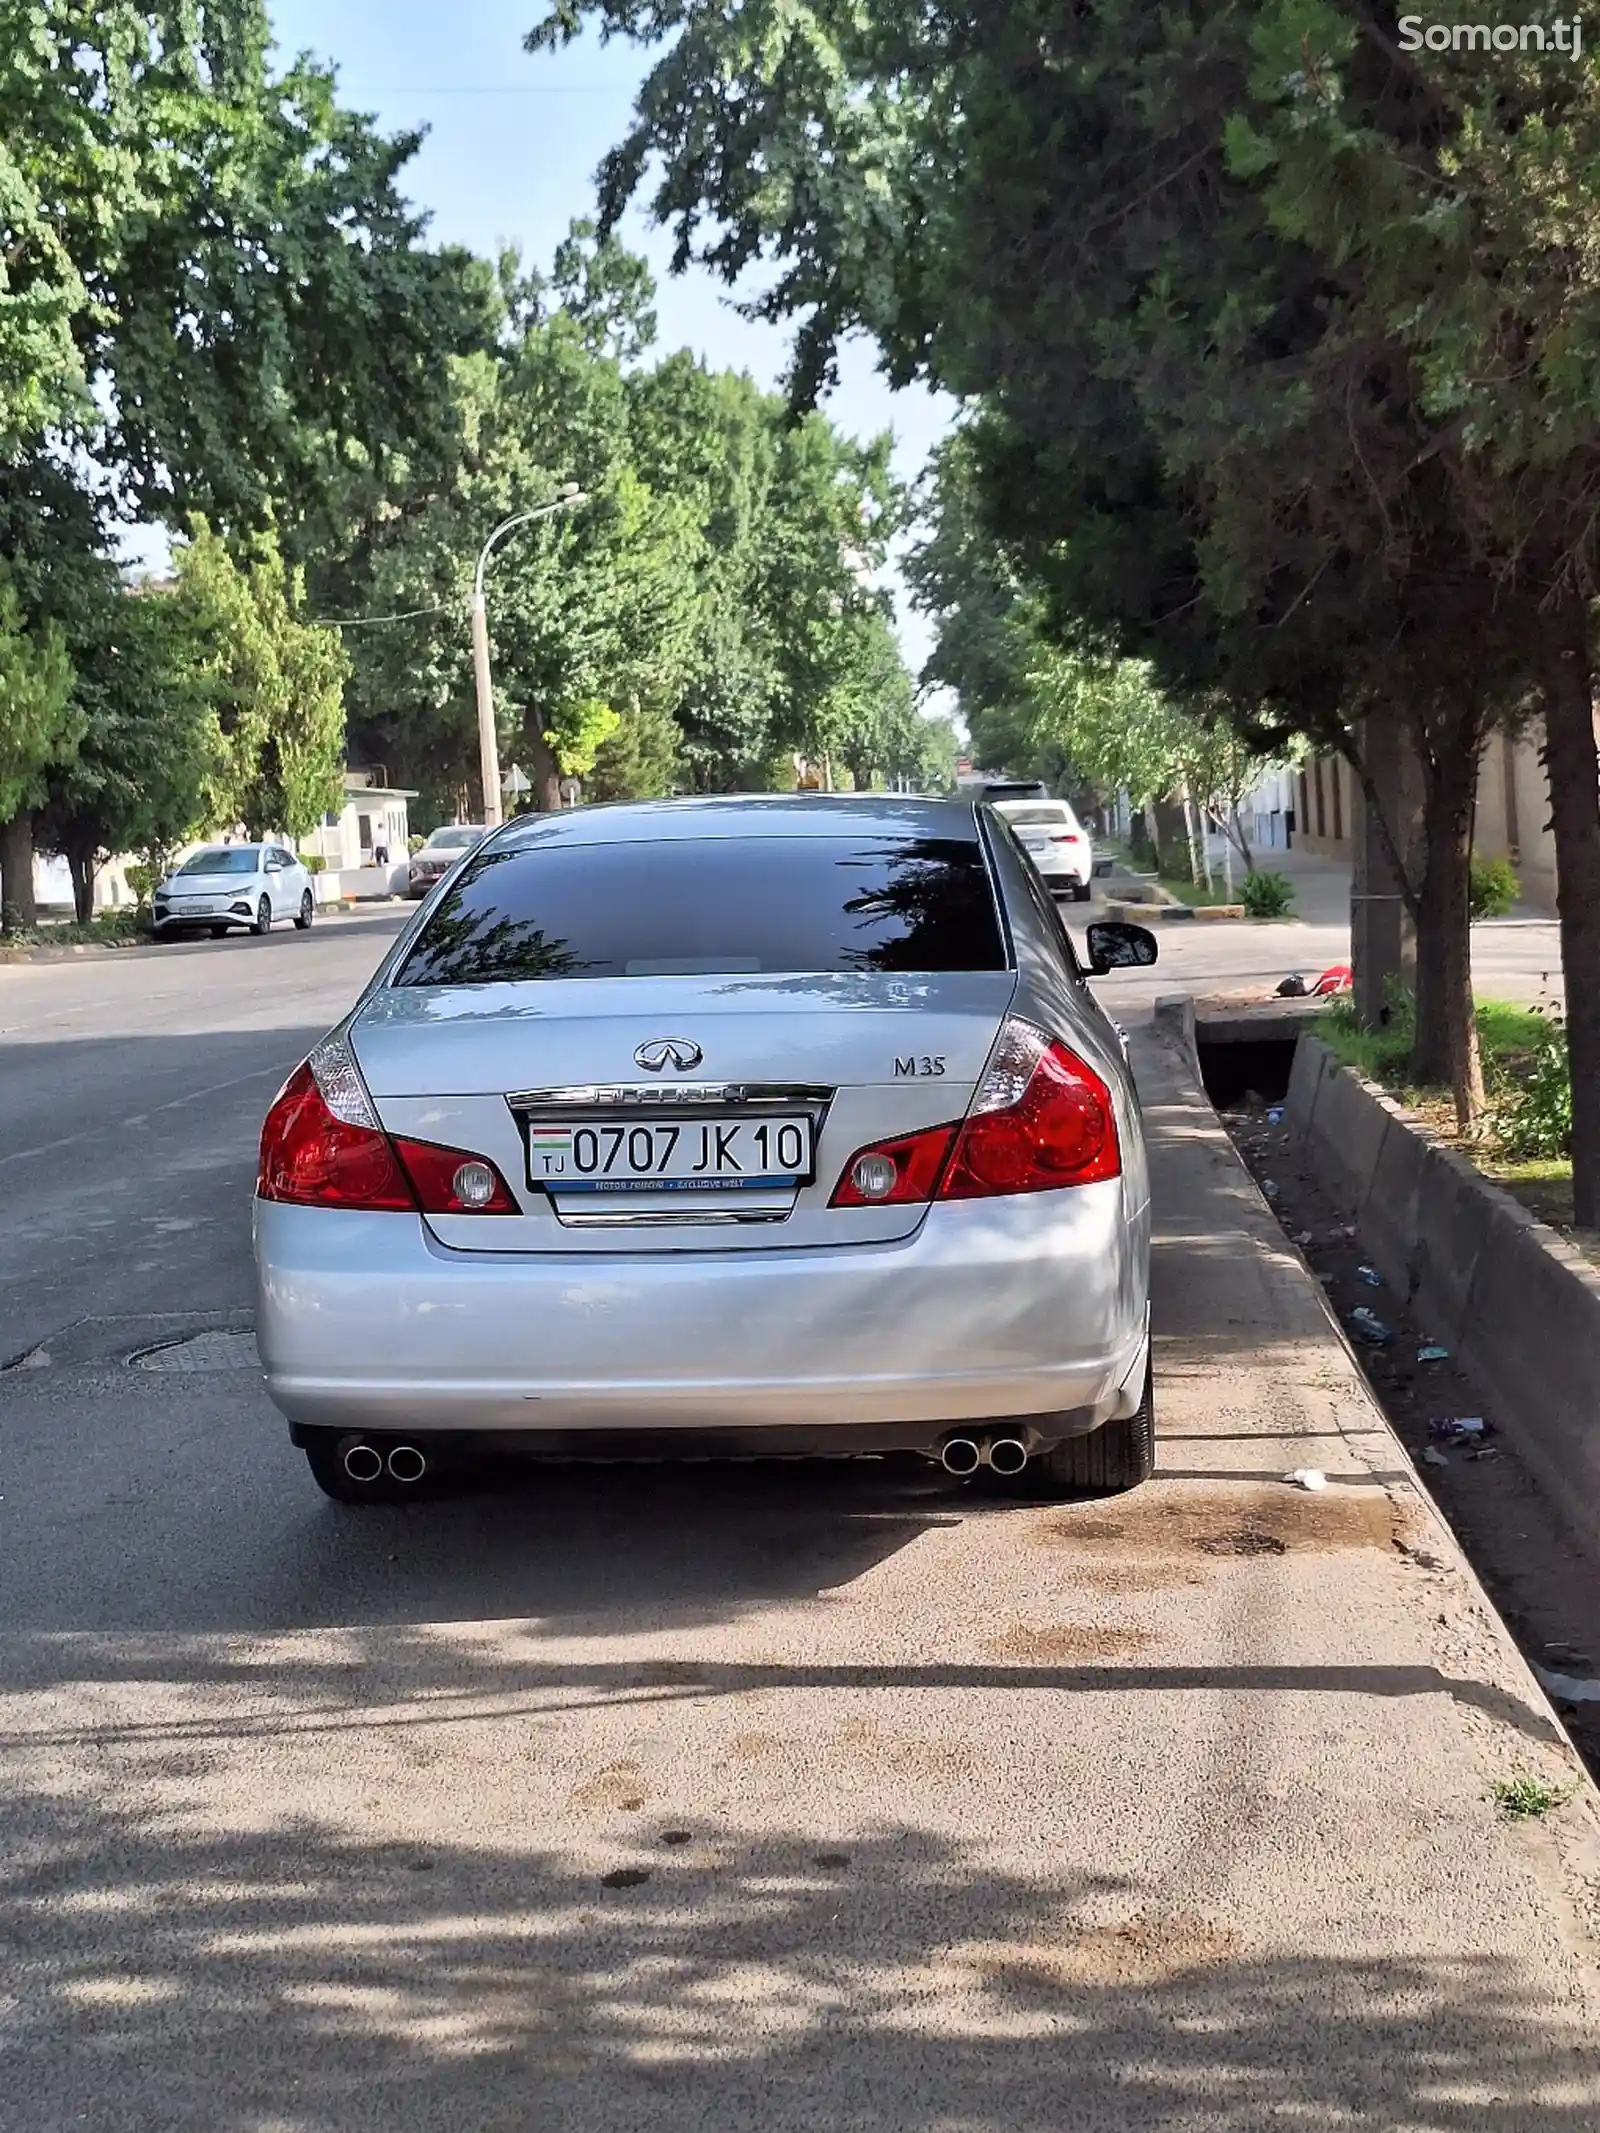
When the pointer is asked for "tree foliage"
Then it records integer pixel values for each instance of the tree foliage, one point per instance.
(271, 684)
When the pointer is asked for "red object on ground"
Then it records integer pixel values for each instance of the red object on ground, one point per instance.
(1339, 979)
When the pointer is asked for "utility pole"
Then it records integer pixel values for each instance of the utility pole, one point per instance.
(568, 496)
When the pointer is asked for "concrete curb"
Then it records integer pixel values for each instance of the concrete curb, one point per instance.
(1518, 1305)
(1142, 914)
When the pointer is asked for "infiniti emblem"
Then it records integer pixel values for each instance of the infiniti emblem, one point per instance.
(661, 1052)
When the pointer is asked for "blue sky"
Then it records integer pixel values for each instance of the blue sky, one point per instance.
(513, 143)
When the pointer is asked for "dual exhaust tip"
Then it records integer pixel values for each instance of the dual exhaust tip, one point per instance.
(366, 1462)
(1001, 1455)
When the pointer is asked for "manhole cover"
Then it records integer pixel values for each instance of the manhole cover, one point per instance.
(200, 1351)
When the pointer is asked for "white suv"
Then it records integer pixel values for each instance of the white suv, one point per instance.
(1056, 841)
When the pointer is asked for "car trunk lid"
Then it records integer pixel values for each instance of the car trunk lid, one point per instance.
(512, 1071)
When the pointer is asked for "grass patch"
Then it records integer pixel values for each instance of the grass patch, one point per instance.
(1508, 1037)
(1525, 1799)
(1196, 895)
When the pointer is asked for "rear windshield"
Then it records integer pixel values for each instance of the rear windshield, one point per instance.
(721, 907)
(223, 859)
(1020, 817)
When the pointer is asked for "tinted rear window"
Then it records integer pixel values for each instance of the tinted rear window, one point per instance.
(721, 907)
(1035, 817)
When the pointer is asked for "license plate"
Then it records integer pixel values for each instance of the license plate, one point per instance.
(688, 1155)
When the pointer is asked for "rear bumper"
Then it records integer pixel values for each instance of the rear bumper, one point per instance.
(1031, 1309)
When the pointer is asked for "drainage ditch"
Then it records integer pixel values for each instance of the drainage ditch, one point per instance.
(1546, 1591)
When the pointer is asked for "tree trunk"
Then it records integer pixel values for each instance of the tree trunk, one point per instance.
(546, 773)
(18, 909)
(1446, 1045)
(1243, 842)
(1383, 939)
(1168, 833)
(1573, 763)
(82, 868)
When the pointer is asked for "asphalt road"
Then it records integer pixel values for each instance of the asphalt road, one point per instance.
(131, 1087)
(778, 1797)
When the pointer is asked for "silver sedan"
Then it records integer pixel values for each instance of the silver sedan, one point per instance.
(756, 1126)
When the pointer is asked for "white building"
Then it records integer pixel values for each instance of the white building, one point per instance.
(365, 842)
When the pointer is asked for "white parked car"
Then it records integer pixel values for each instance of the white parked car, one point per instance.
(225, 886)
(1056, 841)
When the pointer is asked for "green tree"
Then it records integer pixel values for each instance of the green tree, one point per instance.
(273, 686)
(148, 758)
(39, 727)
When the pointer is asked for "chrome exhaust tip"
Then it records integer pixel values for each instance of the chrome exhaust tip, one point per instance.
(407, 1463)
(363, 1462)
(959, 1455)
(1007, 1455)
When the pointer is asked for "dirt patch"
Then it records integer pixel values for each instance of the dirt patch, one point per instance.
(617, 1788)
(1172, 1521)
(1148, 1950)
(1068, 1642)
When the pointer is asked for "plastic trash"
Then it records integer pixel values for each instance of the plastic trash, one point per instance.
(1270, 1187)
(1433, 1355)
(1305, 1236)
(1340, 978)
(1275, 1115)
(1370, 1275)
(1432, 1456)
(1459, 1429)
(1307, 1477)
(1568, 1688)
(1370, 1326)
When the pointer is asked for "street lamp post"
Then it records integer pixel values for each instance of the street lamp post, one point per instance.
(488, 741)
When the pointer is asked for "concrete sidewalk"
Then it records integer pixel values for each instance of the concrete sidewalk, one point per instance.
(655, 1801)
(1321, 886)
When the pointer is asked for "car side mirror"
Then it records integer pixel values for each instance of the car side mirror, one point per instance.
(1115, 945)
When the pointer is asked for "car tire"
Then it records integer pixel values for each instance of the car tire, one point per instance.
(1081, 892)
(1109, 1460)
(303, 917)
(263, 917)
(324, 1450)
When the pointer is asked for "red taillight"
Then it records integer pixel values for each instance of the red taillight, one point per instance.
(1067, 837)
(1062, 1130)
(313, 1159)
(1042, 1119)
(322, 1146)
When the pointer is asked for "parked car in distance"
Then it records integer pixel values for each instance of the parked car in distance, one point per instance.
(1057, 843)
(433, 860)
(225, 887)
(781, 1125)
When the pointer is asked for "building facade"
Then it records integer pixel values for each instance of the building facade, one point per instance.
(1513, 820)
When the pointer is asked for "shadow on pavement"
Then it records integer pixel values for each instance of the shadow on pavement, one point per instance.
(686, 1977)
